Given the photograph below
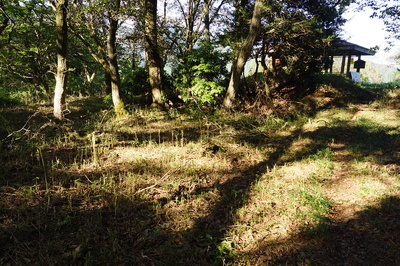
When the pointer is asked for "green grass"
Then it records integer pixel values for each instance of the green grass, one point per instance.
(202, 188)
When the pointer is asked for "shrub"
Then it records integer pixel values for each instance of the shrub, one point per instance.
(202, 77)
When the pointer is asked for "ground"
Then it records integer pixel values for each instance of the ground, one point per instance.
(300, 187)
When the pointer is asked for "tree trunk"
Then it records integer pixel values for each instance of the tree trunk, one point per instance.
(107, 78)
(62, 64)
(119, 107)
(207, 21)
(242, 55)
(153, 56)
(268, 86)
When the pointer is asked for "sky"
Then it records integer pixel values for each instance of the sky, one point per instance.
(368, 32)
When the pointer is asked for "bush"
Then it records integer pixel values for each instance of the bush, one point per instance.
(6, 100)
(135, 82)
(202, 77)
(21, 93)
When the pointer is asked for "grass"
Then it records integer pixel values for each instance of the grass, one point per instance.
(176, 188)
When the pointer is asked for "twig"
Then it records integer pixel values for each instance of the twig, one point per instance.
(102, 119)
(23, 127)
(152, 186)
(146, 188)
(326, 122)
(88, 179)
(255, 127)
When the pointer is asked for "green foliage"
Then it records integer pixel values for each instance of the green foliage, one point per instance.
(19, 91)
(6, 100)
(108, 99)
(135, 85)
(203, 75)
(28, 55)
(205, 91)
(86, 77)
(29, 49)
(135, 82)
(295, 32)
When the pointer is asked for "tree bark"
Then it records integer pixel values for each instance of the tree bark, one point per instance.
(207, 21)
(242, 55)
(107, 78)
(153, 55)
(62, 63)
(119, 107)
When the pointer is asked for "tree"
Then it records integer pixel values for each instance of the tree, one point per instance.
(97, 29)
(28, 48)
(191, 21)
(192, 38)
(242, 55)
(202, 79)
(292, 39)
(62, 63)
(153, 58)
(389, 12)
(88, 25)
(297, 38)
(119, 107)
(188, 27)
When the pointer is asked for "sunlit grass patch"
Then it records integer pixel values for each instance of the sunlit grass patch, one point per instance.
(333, 116)
(285, 200)
(375, 180)
(378, 118)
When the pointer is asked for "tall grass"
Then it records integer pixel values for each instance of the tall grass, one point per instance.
(178, 188)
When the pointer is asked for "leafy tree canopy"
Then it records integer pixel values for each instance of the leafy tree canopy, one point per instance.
(389, 12)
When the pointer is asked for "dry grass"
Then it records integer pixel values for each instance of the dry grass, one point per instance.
(201, 190)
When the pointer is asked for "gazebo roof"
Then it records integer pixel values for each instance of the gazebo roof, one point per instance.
(348, 48)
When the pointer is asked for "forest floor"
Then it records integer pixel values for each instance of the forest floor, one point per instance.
(199, 188)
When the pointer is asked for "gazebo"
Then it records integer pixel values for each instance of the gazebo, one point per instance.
(347, 50)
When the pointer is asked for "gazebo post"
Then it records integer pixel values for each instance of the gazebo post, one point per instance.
(343, 64)
(348, 65)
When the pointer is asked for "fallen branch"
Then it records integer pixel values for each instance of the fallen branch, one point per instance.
(27, 130)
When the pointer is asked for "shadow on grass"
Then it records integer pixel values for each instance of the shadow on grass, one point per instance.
(103, 227)
(360, 142)
(54, 231)
(371, 238)
(42, 226)
(14, 119)
(343, 89)
(209, 231)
